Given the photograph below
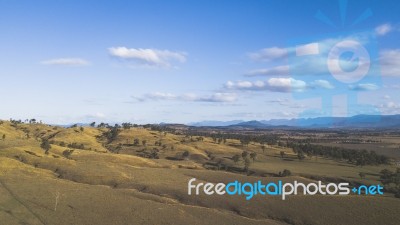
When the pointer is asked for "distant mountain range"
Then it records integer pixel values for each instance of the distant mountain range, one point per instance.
(358, 121)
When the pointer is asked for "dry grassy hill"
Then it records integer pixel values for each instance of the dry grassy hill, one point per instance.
(88, 178)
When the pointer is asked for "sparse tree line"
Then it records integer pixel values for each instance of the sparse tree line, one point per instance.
(391, 181)
(357, 157)
(337, 139)
(112, 133)
(247, 158)
(30, 121)
(245, 139)
(152, 154)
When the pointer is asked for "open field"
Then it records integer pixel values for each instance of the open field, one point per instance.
(92, 176)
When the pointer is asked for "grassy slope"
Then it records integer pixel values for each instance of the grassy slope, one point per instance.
(98, 187)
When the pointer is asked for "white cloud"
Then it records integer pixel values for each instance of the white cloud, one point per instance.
(389, 107)
(383, 29)
(244, 84)
(310, 63)
(322, 84)
(390, 62)
(238, 85)
(190, 97)
(278, 85)
(160, 96)
(268, 54)
(392, 105)
(149, 57)
(308, 49)
(286, 84)
(218, 97)
(66, 62)
(363, 87)
(272, 84)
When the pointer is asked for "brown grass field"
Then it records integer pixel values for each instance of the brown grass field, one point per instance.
(95, 185)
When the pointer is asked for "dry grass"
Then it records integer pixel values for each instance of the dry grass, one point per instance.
(99, 187)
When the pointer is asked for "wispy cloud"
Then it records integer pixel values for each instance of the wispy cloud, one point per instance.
(322, 84)
(390, 62)
(268, 54)
(383, 29)
(277, 85)
(66, 62)
(220, 97)
(363, 87)
(286, 102)
(389, 107)
(148, 57)
(315, 60)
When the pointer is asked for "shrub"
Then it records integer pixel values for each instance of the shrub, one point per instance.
(285, 173)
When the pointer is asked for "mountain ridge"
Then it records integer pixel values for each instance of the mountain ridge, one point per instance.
(357, 121)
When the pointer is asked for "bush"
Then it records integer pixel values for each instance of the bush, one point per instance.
(67, 153)
(285, 173)
(45, 145)
(185, 154)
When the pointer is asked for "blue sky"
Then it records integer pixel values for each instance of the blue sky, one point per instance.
(185, 61)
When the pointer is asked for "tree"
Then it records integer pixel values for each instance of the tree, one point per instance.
(67, 153)
(263, 148)
(154, 154)
(282, 154)
(144, 142)
(185, 154)
(112, 134)
(245, 141)
(253, 156)
(386, 176)
(219, 164)
(45, 145)
(300, 155)
(136, 142)
(391, 180)
(244, 154)
(93, 124)
(126, 126)
(236, 158)
(285, 173)
(247, 163)
(361, 161)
